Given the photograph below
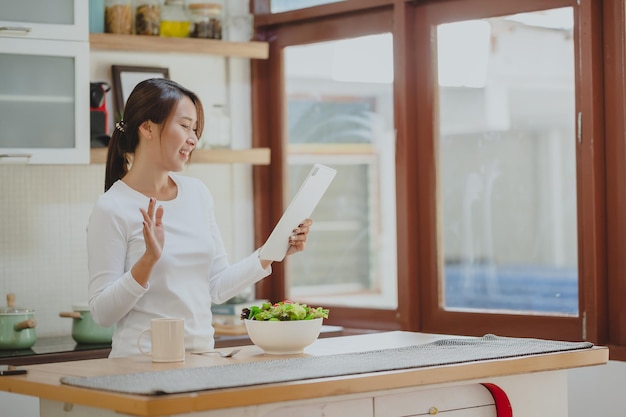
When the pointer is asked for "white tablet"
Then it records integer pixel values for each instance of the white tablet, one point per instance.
(301, 207)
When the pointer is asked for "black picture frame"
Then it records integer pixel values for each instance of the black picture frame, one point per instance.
(126, 77)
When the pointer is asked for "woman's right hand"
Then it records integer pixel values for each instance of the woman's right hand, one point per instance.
(154, 236)
(153, 233)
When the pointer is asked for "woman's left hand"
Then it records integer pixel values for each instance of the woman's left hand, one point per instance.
(297, 240)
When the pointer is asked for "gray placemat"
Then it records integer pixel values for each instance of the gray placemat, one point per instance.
(441, 352)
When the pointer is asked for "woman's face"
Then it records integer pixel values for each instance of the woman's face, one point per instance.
(178, 137)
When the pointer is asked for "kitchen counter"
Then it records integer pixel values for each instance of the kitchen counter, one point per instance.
(535, 384)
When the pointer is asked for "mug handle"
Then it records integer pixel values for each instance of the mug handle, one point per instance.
(143, 352)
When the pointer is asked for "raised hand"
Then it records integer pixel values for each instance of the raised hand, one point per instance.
(153, 233)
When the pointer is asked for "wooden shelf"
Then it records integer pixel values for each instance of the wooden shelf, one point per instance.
(254, 156)
(138, 43)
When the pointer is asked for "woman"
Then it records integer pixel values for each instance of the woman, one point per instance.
(154, 248)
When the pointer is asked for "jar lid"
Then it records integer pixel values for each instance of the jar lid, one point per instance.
(16, 310)
(11, 309)
(205, 6)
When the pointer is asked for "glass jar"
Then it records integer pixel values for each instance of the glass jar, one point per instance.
(96, 16)
(118, 17)
(218, 127)
(147, 17)
(206, 20)
(174, 19)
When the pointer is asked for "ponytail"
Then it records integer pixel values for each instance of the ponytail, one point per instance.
(117, 163)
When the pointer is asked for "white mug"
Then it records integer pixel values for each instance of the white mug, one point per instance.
(168, 340)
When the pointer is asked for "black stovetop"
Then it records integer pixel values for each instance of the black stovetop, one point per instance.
(56, 344)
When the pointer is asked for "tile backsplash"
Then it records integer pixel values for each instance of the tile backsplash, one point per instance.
(45, 210)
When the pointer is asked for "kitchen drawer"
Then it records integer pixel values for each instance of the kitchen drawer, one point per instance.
(472, 400)
(360, 407)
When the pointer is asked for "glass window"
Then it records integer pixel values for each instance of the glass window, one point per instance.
(278, 6)
(340, 113)
(507, 163)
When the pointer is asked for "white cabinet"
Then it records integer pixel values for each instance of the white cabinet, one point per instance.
(17, 405)
(361, 407)
(468, 400)
(472, 400)
(44, 66)
(45, 19)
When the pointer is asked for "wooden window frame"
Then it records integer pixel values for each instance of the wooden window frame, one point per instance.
(601, 160)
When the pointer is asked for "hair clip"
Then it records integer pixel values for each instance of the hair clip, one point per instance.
(120, 126)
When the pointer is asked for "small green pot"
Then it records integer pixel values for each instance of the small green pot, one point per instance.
(84, 329)
(17, 326)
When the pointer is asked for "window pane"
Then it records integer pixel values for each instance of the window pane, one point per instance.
(507, 163)
(341, 115)
(278, 6)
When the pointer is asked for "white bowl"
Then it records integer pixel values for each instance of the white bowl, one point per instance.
(283, 337)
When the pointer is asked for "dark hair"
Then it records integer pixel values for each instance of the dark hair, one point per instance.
(154, 99)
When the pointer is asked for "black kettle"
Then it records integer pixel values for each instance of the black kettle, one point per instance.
(99, 116)
(97, 95)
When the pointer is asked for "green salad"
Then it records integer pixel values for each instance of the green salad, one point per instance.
(283, 311)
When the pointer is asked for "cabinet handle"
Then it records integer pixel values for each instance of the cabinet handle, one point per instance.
(15, 155)
(15, 28)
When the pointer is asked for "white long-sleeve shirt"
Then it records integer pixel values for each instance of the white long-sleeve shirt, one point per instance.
(192, 273)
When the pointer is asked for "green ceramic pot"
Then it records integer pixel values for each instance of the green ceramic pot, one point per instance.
(84, 329)
(17, 326)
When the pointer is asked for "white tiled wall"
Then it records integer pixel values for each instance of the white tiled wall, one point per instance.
(44, 211)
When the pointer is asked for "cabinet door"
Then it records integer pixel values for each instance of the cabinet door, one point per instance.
(44, 103)
(45, 19)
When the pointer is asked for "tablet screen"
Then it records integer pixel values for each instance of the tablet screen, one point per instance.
(300, 208)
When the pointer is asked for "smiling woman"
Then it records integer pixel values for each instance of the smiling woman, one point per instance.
(154, 247)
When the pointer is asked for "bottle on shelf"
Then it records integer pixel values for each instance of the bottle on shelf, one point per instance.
(147, 17)
(206, 20)
(239, 28)
(118, 17)
(96, 16)
(217, 129)
(174, 19)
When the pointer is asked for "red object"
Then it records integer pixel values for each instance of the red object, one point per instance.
(503, 405)
(98, 108)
